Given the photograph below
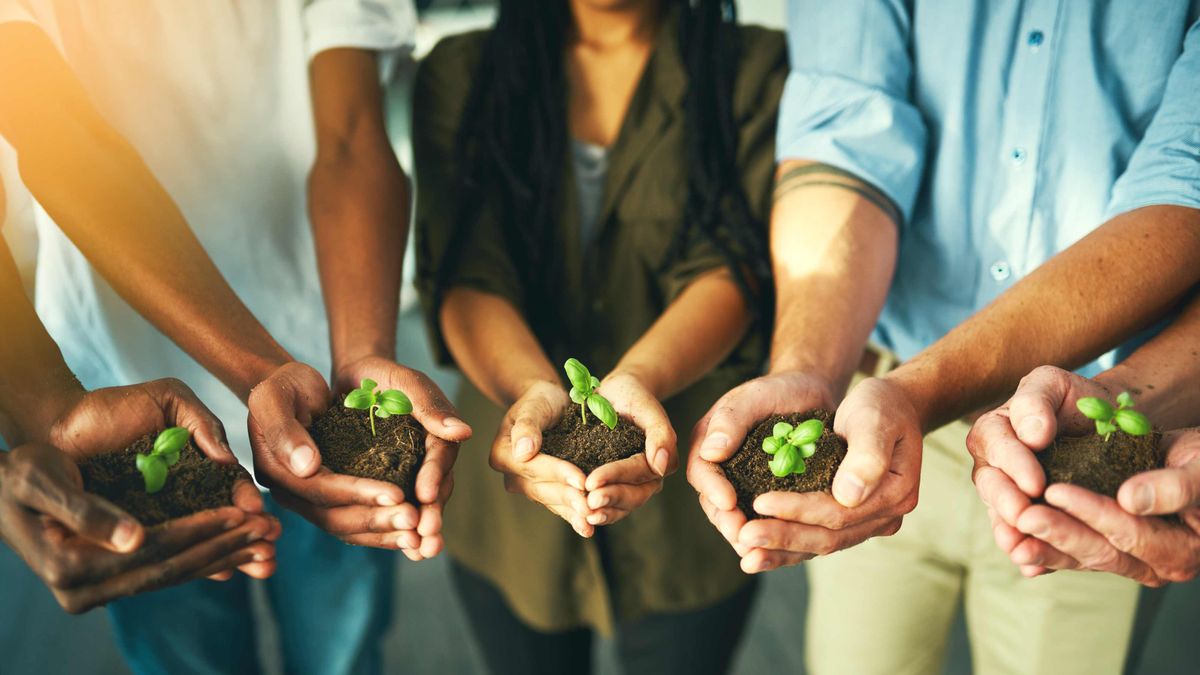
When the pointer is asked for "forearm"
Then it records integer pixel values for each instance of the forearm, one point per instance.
(1162, 374)
(833, 249)
(1076, 306)
(694, 335)
(100, 192)
(359, 207)
(493, 345)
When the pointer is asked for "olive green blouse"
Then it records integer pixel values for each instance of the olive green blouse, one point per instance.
(664, 557)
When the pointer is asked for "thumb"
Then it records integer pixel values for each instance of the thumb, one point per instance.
(727, 424)
(867, 460)
(88, 516)
(1163, 491)
(1035, 406)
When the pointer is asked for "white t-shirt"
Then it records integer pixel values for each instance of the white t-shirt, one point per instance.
(214, 96)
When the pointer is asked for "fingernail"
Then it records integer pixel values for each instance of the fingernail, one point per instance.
(524, 447)
(660, 461)
(403, 521)
(231, 523)
(123, 534)
(575, 482)
(1030, 426)
(603, 501)
(1143, 499)
(1040, 531)
(715, 442)
(252, 537)
(302, 458)
(848, 489)
(261, 557)
(453, 422)
(385, 500)
(597, 518)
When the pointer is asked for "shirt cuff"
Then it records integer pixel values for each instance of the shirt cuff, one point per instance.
(384, 26)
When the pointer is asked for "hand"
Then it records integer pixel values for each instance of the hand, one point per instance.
(1007, 474)
(358, 511)
(1083, 530)
(100, 421)
(719, 434)
(434, 411)
(88, 552)
(552, 482)
(614, 490)
(875, 486)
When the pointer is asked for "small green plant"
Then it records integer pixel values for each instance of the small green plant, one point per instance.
(1108, 420)
(163, 456)
(789, 446)
(583, 392)
(382, 405)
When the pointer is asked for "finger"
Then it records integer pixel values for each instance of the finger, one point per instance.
(431, 546)
(544, 468)
(246, 496)
(1000, 493)
(530, 415)
(328, 489)
(1162, 491)
(1035, 557)
(342, 521)
(647, 413)
(435, 412)
(91, 517)
(1077, 540)
(731, 419)
(728, 522)
(993, 441)
(276, 405)
(551, 494)
(1035, 406)
(709, 480)
(431, 514)
(631, 471)
(622, 497)
(396, 541)
(185, 409)
(1127, 533)
(771, 533)
(871, 440)
(761, 560)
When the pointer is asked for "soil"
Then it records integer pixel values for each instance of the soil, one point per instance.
(751, 476)
(194, 484)
(393, 455)
(594, 445)
(1098, 465)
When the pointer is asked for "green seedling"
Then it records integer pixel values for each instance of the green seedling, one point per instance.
(789, 446)
(163, 456)
(382, 405)
(583, 392)
(1108, 420)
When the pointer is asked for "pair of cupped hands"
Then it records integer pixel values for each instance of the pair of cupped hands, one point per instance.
(88, 552)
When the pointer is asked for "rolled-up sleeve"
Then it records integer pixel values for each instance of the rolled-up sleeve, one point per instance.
(1165, 167)
(847, 100)
(384, 26)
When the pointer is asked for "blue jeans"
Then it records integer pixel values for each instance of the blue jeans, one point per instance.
(332, 603)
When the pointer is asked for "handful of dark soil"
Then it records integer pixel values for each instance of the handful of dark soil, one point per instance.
(751, 476)
(592, 445)
(1098, 465)
(194, 484)
(393, 455)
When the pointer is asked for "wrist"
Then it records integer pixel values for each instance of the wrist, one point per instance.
(920, 389)
(346, 358)
(56, 397)
(647, 377)
(833, 374)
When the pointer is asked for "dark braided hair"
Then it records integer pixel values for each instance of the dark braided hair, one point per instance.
(512, 146)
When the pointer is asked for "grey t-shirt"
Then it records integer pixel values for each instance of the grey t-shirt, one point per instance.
(591, 168)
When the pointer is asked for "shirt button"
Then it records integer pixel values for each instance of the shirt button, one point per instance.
(1036, 38)
(1017, 156)
(1000, 270)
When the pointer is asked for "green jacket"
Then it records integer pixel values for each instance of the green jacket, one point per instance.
(665, 557)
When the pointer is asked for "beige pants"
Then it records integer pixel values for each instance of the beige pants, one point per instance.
(887, 605)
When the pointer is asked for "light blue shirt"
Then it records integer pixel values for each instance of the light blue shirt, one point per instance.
(1003, 131)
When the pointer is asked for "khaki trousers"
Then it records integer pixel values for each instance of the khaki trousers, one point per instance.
(886, 606)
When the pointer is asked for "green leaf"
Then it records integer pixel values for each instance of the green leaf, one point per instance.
(595, 381)
(1095, 408)
(154, 472)
(1105, 428)
(784, 461)
(360, 399)
(771, 445)
(171, 458)
(800, 466)
(578, 397)
(603, 410)
(807, 432)
(368, 385)
(382, 414)
(808, 450)
(579, 376)
(1132, 422)
(395, 402)
(1124, 400)
(171, 440)
(781, 429)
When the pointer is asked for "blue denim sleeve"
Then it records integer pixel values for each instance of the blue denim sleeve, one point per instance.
(847, 99)
(1165, 167)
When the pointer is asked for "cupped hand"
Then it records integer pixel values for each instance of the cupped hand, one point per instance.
(616, 489)
(88, 552)
(1080, 529)
(433, 410)
(108, 419)
(873, 489)
(516, 452)
(358, 511)
(1003, 443)
(719, 434)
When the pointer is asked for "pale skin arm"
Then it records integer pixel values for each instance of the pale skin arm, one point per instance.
(359, 208)
(495, 348)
